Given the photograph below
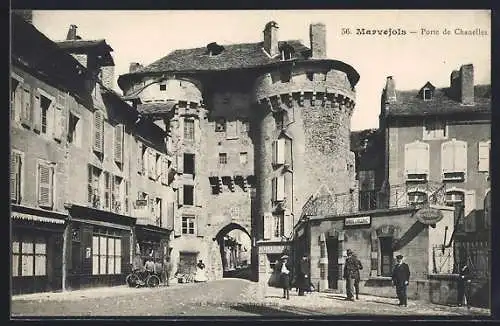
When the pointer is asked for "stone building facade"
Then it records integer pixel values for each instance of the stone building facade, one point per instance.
(268, 126)
(73, 217)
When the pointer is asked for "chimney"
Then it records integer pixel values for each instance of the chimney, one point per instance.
(271, 38)
(467, 84)
(390, 90)
(454, 84)
(134, 66)
(71, 33)
(317, 36)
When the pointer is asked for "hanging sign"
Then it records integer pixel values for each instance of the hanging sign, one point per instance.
(429, 216)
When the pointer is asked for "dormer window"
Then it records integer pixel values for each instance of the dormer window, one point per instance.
(287, 52)
(214, 49)
(427, 94)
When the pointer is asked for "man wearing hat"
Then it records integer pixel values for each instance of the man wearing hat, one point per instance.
(400, 279)
(284, 276)
(351, 271)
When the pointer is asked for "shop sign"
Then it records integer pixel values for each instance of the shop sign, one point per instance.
(271, 249)
(429, 216)
(141, 203)
(354, 221)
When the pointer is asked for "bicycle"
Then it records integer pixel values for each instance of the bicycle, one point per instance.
(137, 279)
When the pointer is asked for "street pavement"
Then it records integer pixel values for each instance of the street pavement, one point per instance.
(227, 297)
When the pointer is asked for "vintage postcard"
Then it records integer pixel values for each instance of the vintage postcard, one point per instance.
(293, 163)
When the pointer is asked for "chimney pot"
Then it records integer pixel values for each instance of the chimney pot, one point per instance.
(317, 36)
(271, 38)
(390, 90)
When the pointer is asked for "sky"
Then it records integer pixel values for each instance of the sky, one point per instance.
(412, 59)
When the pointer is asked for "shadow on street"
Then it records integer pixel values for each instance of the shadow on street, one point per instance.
(262, 310)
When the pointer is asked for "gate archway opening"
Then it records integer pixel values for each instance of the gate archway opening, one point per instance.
(235, 249)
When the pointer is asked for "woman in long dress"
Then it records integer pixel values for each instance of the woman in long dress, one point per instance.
(200, 275)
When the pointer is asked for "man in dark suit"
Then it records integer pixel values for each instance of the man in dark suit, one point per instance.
(400, 279)
(351, 270)
(464, 281)
(303, 280)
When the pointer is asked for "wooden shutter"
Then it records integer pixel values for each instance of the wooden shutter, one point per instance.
(37, 111)
(280, 151)
(58, 122)
(180, 163)
(98, 140)
(288, 153)
(274, 189)
(127, 192)
(180, 196)
(200, 226)
(447, 157)
(469, 211)
(151, 163)
(26, 107)
(170, 215)
(177, 218)
(140, 158)
(274, 148)
(164, 170)
(118, 148)
(45, 185)
(484, 156)
(460, 156)
(280, 187)
(268, 225)
(422, 158)
(287, 223)
(411, 158)
(15, 177)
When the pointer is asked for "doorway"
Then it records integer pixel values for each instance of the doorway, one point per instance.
(386, 255)
(332, 248)
(187, 262)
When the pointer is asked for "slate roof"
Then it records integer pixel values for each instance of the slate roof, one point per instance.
(234, 56)
(84, 45)
(408, 103)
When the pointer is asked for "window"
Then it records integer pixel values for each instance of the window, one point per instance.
(245, 126)
(427, 94)
(74, 130)
(220, 125)
(417, 161)
(232, 130)
(222, 158)
(386, 256)
(106, 254)
(454, 160)
(189, 129)
(188, 224)
(454, 198)
(45, 185)
(118, 142)
(279, 118)
(163, 87)
(279, 151)
(367, 200)
(310, 75)
(94, 190)
(29, 255)
(484, 149)
(126, 196)
(116, 195)
(149, 162)
(26, 107)
(417, 197)
(279, 225)
(158, 162)
(46, 118)
(158, 212)
(16, 98)
(435, 129)
(165, 166)
(189, 163)
(142, 160)
(98, 135)
(244, 158)
(107, 190)
(16, 166)
(188, 192)
(279, 188)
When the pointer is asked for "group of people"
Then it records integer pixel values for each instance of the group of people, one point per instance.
(351, 274)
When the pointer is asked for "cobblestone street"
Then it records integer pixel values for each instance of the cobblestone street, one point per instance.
(228, 297)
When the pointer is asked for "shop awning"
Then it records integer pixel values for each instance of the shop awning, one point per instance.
(35, 218)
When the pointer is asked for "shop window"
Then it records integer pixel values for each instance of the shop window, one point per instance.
(188, 192)
(386, 256)
(29, 256)
(188, 129)
(454, 160)
(189, 163)
(188, 224)
(106, 254)
(16, 166)
(75, 130)
(435, 128)
(45, 185)
(222, 158)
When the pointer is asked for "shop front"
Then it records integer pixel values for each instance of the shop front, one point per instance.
(36, 255)
(98, 248)
(152, 242)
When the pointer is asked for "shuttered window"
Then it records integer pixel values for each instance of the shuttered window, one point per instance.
(16, 93)
(15, 177)
(98, 139)
(164, 170)
(45, 185)
(417, 158)
(39, 114)
(151, 163)
(140, 157)
(278, 225)
(59, 118)
(94, 191)
(278, 149)
(189, 129)
(116, 195)
(279, 188)
(454, 157)
(26, 107)
(484, 156)
(107, 190)
(268, 225)
(118, 144)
